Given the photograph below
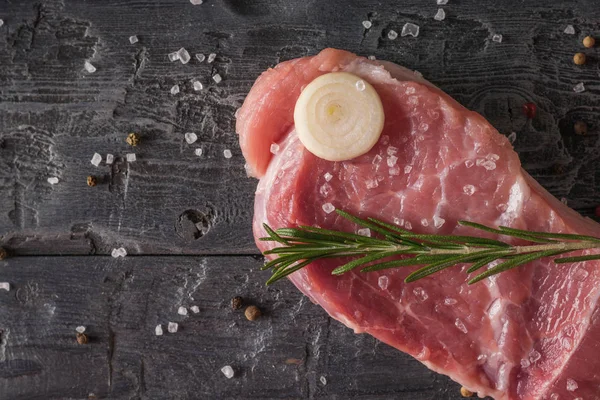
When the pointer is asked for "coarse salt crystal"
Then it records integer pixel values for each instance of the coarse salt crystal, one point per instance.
(158, 331)
(408, 225)
(420, 294)
(460, 325)
(391, 161)
(1, 22)
(580, 87)
(410, 29)
(440, 15)
(211, 58)
(417, 74)
(80, 329)
(367, 24)
(469, 189)
(198, 152)
(328, 177)
(493, 157)
(525, 363)
(109, 159)
(227, 153)
(450, 301)
(469, 163)
(438, 222)
(196, 2)
(217, 78)
(182, 311)
(383, 282)
(5, 286)
(274, 148)
(489, 165)
(96, 159)
(534, 356)
(497, 38)
(190, 137)
(377, 160)
(407, 169)
(175, 89)
(173, 56)
(442, 2)
(53, 180)
(394, 171)
(564, 200)
(323, 380)
(572, 385)
(248, 170)
(392, 35)
(130, 157)
(227, 371)
(364, 232)
(372, 183)
(133, 39)
(360, 85)
(392, 151)
(89, 67)
(173, 327)
(372, 58)
(410, 90)
(195, 309)
(200, 57)
(197, 85)
(424, 222)
(328, 208)
(325, 190)
(502, 207)
(115, 253)
(512, 137)
(569, 30)
(184, 56)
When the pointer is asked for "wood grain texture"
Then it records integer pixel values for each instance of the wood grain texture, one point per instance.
(282, 355)
(54, 116)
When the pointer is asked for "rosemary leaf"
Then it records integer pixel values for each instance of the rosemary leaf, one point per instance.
(589, 257)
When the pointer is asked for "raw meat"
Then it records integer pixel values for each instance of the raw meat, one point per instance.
(531, 333)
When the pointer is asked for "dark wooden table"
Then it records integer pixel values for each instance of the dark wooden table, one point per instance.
(186, 220)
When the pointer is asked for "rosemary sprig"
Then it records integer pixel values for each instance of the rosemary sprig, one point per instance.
(395, 247)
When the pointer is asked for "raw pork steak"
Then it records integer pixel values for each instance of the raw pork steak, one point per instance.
(531, 333)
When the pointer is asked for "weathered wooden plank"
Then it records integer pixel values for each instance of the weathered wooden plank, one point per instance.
(283, 354)
(54, 115)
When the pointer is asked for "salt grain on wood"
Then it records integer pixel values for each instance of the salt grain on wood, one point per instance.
(173, 327)
(190, 137)
(323, 380)
(96, 159)
(175, 89)
(512, 137)
(196, 2)
(392, 35)
(195, 309)
(197, 85)
(130, 157)
(182, 311)
(579, 87)
(227, 153)
(53, 180)
(80, 329)
(133, 39)
(158, 331)
(1, 22)
(109, 159)
(5, 286)
(227, 371)
(217, 78)
(184, 56)
(410, 29)
(367, 24)
(173, 56)
(442, 2)
(200, 57)
(211, 58)
(497, 38)
(198, 152)
(89, 67)
(569, 30)
(440, 15)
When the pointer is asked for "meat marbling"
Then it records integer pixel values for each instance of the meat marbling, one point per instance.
(530, 333)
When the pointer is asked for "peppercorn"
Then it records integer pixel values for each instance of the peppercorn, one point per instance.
(530, 110)
(580, 128)
(589, 41)
(133, 139)
(237, 302)
(579, 58)
(82, 338)
(92, 181)
(252, 313)
(464, 392)
(3, 253)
